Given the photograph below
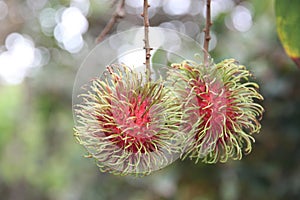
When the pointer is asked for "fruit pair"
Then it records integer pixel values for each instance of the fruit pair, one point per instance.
(132, 125)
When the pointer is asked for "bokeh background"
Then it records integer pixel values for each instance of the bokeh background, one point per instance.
(42, 44)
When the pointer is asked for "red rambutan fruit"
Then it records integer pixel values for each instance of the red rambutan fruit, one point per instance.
(128, 124)
(219, 107)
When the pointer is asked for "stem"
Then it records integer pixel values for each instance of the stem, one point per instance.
(118, 14)
(207, 32)
(146, 39)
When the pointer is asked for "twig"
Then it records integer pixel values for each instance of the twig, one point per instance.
(146, 38)
(207, 32)
(118, 14)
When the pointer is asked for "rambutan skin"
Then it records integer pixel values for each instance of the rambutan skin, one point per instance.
(219, 109)
(128, 124)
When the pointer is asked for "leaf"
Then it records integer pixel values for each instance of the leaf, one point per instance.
(159, 62)
(288, 28)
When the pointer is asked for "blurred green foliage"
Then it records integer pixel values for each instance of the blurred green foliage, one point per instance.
(40, 159)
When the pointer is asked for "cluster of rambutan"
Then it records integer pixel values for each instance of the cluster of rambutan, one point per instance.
(132, 125)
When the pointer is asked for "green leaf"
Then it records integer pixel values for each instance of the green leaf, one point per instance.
(288, 28)
(159, 62)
